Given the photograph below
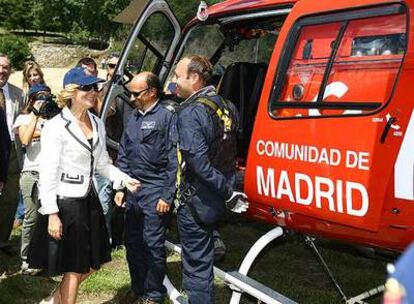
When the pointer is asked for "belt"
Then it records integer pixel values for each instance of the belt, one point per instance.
(31, 172)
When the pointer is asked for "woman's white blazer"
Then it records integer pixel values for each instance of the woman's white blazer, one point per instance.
(68, 162)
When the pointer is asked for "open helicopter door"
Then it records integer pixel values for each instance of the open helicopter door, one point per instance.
(324, 142)
(149, 47)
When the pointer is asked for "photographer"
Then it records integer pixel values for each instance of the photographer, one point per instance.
(28, 127)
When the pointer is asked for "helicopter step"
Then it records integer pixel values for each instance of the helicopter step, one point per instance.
(238, 281)
(249, 283)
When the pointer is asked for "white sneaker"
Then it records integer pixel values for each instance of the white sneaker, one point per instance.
(24, 266)
(28, 271)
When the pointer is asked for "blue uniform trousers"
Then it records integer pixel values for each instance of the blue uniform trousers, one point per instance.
(146, 255)
(197, 258)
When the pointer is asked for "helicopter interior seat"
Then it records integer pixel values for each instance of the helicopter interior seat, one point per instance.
(242, 84)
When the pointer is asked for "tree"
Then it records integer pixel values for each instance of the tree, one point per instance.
(50, 15)
(81, 19)
(16, 48)
(95, 16)
(18, 14)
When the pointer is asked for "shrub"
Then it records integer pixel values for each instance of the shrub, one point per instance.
(78, 34)
(16, 48)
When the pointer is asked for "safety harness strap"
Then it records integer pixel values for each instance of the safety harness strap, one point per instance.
(222, 113)
(177, 201)
(185, 198)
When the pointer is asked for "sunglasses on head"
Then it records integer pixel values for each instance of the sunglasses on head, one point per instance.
(111, 65)
(88, 87)
(137, 94)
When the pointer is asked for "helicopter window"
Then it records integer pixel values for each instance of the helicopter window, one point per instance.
(195, 41)
(249, 41)
(151, 45)
(308, 65)
(383, 45)
(240, 52)
(146, 54)
(341, 68)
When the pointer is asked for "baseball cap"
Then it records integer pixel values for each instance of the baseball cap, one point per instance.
(40, 87)
(79, 76)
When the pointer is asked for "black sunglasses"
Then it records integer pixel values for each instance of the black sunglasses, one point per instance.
(111, 65)
(88, 87)
(137, 94)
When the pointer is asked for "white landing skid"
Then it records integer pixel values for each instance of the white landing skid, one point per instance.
(238, 281)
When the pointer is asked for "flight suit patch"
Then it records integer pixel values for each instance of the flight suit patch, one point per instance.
(148, 125)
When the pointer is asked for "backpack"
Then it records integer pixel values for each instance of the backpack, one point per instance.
(223, 151)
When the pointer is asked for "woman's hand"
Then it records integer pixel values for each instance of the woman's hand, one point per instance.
(55, 228)
(28, 132)
(38, 104)
(132, 184)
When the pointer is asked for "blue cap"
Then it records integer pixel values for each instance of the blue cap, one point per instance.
(79, 76)
(40, 87)
(172, 87)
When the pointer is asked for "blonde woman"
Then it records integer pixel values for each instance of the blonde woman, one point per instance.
(32, 74)
(71, 237)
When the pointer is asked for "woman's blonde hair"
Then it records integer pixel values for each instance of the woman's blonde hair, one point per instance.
(65, 96)
(29, 65)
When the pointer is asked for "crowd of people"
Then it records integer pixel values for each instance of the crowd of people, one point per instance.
(172, 155)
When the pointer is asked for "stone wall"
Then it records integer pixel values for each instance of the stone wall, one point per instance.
(61, 55)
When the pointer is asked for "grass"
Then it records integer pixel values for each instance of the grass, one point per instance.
(287, 265)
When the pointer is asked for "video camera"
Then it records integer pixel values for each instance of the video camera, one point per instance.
(49, 107)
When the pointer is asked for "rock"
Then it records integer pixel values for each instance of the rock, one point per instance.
(61, 55)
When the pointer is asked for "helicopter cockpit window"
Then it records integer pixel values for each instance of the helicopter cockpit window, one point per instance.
(240, 52)
(249, 41)
(151, 45)
(342, 68)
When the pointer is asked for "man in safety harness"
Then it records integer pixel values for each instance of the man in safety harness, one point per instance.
(206, 127)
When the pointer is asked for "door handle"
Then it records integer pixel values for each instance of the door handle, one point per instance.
(387, 128)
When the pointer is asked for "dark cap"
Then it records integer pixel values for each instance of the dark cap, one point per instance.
(40, 87)
(79, 76)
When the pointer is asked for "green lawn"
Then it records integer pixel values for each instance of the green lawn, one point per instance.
(288, 266)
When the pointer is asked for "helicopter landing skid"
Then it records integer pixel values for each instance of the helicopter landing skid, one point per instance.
(359, 299)
(238, 281)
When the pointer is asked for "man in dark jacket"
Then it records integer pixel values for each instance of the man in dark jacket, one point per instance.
(4, 149)
(207, 132)
(147, 153)
(12, 102)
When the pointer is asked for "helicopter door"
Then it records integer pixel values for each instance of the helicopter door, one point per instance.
(149, 47)
(318, 146)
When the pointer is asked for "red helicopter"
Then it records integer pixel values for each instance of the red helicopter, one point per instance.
(323, 91)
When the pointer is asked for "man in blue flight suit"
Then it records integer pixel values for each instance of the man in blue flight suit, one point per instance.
(207, 127)
(147, 153)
